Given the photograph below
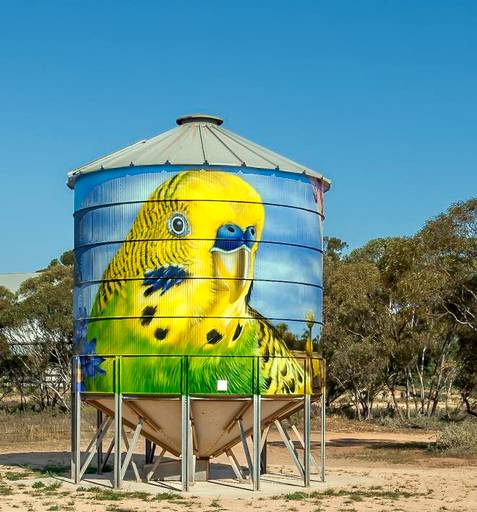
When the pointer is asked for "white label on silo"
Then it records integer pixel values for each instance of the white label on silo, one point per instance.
(222, 385)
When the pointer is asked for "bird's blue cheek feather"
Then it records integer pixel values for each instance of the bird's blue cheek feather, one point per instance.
(163, 279)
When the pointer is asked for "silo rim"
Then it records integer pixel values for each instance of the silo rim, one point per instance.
(72, 176)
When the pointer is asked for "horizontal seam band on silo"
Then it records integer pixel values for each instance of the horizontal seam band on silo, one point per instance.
(280, 319)
(136, 240)
(192, 278)
(238, 201)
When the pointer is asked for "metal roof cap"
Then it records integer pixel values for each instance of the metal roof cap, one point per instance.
(199, 139)
(199, 118)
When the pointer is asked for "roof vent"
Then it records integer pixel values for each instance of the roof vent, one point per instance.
(199, 118)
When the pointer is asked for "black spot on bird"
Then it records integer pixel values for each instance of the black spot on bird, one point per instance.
(291, 385)
(238, 332)
(267, 382)
(284, 370)
(160, 334)
(300, 378)
(213, 337)
(147, 315)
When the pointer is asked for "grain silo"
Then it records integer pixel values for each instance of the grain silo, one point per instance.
(198, 297)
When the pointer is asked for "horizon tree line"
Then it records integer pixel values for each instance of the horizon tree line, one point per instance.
(400, 318)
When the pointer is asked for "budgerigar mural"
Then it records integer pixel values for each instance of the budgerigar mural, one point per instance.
(195, 268)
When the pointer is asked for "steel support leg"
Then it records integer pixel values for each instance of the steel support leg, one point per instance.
(323, 433)
(76, 419)
(235, 464)
(265, 432)
(263, 451)
(307, 441)
(93, 445)
(256, 442)
(300, 440)
(130, 449)
(99, 449)
(243, 438)
(118, 402)
(289, 445)
(150, 451)
(155, 467)
(190, 451)
(185, 443)
(263, 460)
(108, 454)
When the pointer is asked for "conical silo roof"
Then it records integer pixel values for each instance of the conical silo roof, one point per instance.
(199, 139)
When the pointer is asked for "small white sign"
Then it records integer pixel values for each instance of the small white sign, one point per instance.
(222, 385)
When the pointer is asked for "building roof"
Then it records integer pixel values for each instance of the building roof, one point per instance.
(13, 281)
(199, 139)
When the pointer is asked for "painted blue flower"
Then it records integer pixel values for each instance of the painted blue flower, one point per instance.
(90, 361)
(86, 350)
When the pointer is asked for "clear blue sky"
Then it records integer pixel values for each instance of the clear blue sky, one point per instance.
(381, 96)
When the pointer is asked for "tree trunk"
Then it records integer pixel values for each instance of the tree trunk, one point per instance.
(448, 392)
(356, 404)
(420, 374)
(396, 405)
(408, 412)
(468, 407)
(414, 391)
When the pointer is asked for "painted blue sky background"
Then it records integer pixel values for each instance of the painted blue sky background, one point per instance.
(287, 271)
(380, 96)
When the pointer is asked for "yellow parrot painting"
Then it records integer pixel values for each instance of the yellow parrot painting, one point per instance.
(180, 284)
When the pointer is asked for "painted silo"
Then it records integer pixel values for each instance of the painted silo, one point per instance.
(198, 264)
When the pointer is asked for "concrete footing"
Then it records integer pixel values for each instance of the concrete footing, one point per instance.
(170, 470)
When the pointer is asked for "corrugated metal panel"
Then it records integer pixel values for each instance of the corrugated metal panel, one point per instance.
(198, 140)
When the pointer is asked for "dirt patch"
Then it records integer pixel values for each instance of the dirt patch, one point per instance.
(366, 471)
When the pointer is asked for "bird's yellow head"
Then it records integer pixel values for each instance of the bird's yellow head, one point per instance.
(203, 225)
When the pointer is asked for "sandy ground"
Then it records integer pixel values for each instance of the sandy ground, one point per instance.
(366, 471)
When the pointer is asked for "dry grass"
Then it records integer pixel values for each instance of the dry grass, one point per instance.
(339, 423)
(32, 426)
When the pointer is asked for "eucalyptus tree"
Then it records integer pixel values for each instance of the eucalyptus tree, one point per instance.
(449, 258)
(38, 331)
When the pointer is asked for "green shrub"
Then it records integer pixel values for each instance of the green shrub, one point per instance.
(458, 438)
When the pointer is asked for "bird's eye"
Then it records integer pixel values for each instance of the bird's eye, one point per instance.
(178, 224)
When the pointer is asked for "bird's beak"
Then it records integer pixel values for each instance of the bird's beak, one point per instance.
(233, 269)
